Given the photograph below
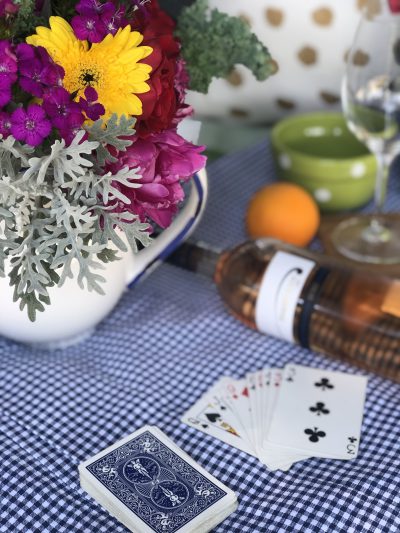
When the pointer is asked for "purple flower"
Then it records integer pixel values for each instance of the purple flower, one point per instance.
(96, 20)
(59, 107)
(63, 113)
(89, 106)
(37, 69)
(8, 62)
(5, 91)
(71, 128)
(141, 6)
(30, 125)
(88, 27)
(7, 7)
(94, 7)
(5, 124)
(114, 21)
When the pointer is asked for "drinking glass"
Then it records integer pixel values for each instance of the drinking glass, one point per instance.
(371, 104)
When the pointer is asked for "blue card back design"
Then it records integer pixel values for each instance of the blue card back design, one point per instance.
(155, 483)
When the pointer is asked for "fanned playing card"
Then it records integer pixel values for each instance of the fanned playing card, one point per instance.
(285, 416)
(318, 413)
(151, 485)
(215, 418)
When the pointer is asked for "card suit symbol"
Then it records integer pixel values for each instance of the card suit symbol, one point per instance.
(213, 417)
(289, 378)
(204, 426)
(324, 384)
(352, 440)
(319, 409)
(314, 434)
(223, 408)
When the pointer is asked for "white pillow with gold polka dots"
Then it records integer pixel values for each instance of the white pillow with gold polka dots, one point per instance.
(308, 38)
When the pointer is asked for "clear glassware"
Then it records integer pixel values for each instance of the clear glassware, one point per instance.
(371, 104)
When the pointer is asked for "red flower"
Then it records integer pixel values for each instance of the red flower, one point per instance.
(162, 102)
(394, 6)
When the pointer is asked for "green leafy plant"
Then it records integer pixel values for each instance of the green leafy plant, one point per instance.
(60, 207)
(213, 43)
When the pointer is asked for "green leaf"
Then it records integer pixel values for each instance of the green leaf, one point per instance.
(213, 43)
(111, 134)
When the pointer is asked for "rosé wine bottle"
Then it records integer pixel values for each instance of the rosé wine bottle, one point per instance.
(306, 298)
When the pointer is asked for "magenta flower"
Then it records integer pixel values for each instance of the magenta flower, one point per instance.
(37, 69)
(8, 62)
(5, 124)
(8, 71)
(94, 7)
(88, 27)
(7, 7)
(65, 115)
(181, 84)
(114, 21)
(89, 105)
(59, 107)
(5, 91)
(165, 160)
(141, 6)
(71, 127)
(96, 20)
(30, 125)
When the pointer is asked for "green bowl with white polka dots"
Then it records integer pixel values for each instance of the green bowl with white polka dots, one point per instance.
(318, 152)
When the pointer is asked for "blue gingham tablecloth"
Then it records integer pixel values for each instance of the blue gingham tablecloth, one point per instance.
(165, 344)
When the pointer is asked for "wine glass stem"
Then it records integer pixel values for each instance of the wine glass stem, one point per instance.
(377, 232)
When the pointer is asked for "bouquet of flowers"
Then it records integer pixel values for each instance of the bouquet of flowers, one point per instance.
(90, 99)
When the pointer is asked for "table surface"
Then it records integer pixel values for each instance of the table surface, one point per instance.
(165, 344)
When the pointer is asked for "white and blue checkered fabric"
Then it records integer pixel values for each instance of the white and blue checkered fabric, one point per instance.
(166, 343)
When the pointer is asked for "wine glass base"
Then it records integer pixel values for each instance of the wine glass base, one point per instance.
(368, 241)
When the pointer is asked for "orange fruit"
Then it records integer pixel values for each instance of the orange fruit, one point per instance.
(284, 211)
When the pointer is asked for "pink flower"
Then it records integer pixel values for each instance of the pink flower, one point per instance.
(394, 6)
(165, 160)
(7, 7)
(181, 84)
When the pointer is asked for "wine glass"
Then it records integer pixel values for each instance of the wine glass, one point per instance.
(371, 104)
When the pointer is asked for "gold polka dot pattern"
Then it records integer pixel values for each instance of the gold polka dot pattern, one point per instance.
(323, 16)
(274, 16)
(235, 78)
(308, 55)
(360, 58)
(308, 40)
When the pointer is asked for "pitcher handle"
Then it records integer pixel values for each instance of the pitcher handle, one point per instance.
(183, 225)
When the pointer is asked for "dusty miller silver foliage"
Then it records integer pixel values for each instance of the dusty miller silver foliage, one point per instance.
(58, 208)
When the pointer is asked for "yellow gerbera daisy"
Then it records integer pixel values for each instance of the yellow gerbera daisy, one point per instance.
(111, 67)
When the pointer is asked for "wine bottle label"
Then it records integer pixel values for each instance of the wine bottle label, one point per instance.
(281, 286)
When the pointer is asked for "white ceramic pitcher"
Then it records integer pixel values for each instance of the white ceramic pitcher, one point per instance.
(74, 312)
